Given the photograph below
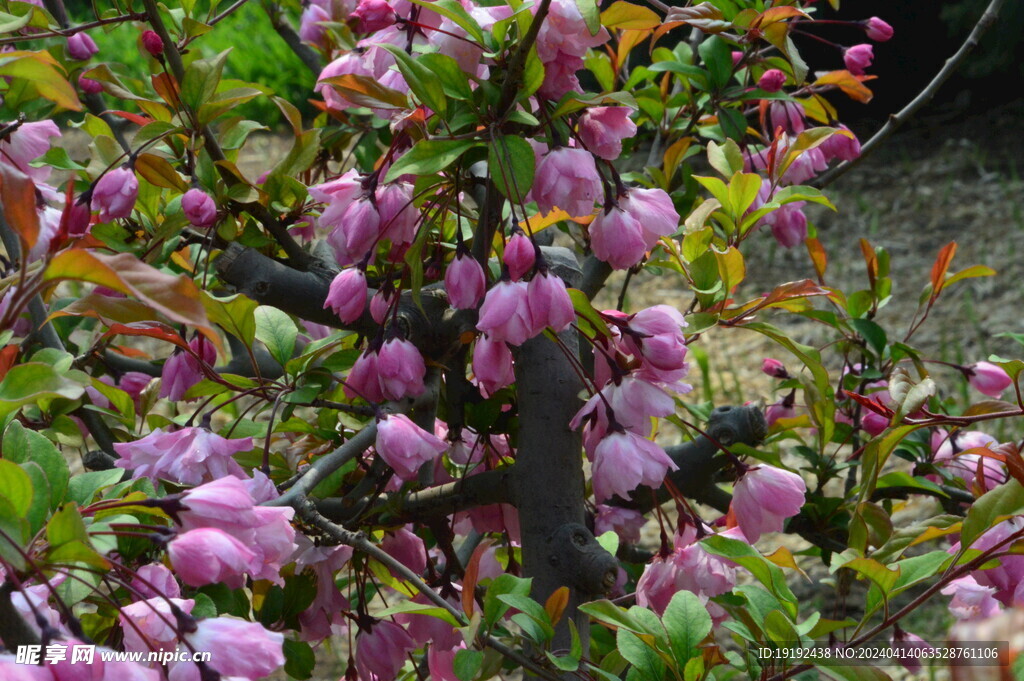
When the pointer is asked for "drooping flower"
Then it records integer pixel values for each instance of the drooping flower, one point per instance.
(373, 15)
(858, 58)
(988, 378)
(617, 238)
(350, 62)
(381, 650)
(89, 86)
(602, 129)
(407, 548)
(625, 522)
(398, 216)
(405, 446)
(81, 47)
(154, 579)
(311, 29)
(188, 456)
(505, 314)
(623, 461)
(567, 178)
(151, 625)
(840, 146)
(948, 454)
(225, 504)
(207, 556)
(492, 365)
(519, 256)
(789, 225)
(464, 281)
(687, 568)
(786, 115)
(182, 370)
(357, 232)
(238, 648)
(400, 369)
(764, 497)
(363, 379)
(115, 193)
(971, 601)
(275, 542)
(199, 207)
(548, 303)
(347, 294)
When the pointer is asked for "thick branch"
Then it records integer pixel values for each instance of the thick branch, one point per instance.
(896, 120)
(14, 630)
(327, 464)
(284, 29)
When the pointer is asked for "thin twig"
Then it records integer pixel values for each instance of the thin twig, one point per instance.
(327, 464)
(897, 119)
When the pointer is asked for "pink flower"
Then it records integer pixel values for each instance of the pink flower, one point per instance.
(948, 454)
(625, 522)
(188, 456)
(786, 115)
(774, 368)
(154, 579)
(27, 143)
(357, 232)
(505, 314)
(789, 225)
(400, 369)
(349, 63)
(988, 378)
(971, 601)
(14, 670)
(115, 193)
(858, 58)
(152, 43)
(311, 29)
(182, 370)
(1008, 575)
(772, 80)
(565, 33)
(405, 446)
(441, 662)
(878, 30)
(150, 624)
(492, 365)
(89, 86)
(407, 549)
(617, 238)
(764, 497)
(548, 303)
(623, 461)
(654, 210)
(840, 146)
(238, 648)
(910, 643)
(275, 542)
(398, 216)
(380, 304)
(567, 178)
(602, 129)
(688, 568)
(519, 256)
(338, 194)
(199, 208)
(381, 650)
(657, 337)
(362, 380)
(347, 294)
(81, 46)
(465, 282)
(373, 15)
(207, 555)
(225, 504)
(560, 76)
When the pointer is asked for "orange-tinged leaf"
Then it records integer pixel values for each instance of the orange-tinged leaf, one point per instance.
(626, 15)
(167, 88)
(704, 17)
(8, 356)
(159, 172)
(850, 84)
(44, 74)
(783, 557)
(469, 581)
(157, 330)
(133, 117)
(776, 14)
(18, 194)
(871, 260)
(175, 297)
(556, 604)
(934, 533)
(107, 309)
(628, 39)
(731, 268)
(941, 266)
(818, 256)
(368, 92)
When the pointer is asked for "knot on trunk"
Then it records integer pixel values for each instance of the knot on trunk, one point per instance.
(582, 563)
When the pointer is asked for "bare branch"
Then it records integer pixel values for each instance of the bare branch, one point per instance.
(284, 29)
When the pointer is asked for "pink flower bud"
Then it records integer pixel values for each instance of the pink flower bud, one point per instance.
(405, 446)
(465, 282)
(988, 378)
(774, 368)
(400, 369)
(492, 365)
(787, 115)
(362, 380)
(115, 193)
(549, 303)
(772, 80)
(89, 86)
(78, 218)
(154, 579)
(878, 30)
(398, 216)
(858, 58)
(617, 238)
(789, 226)
(519, 256)
(356, 233)
(199, 208)
(505, 314)
(182, 370)
(779, 410)
(407, 548)
(840, 146)
(764, 497)
(81, 46)
(602, 129)
(152, 43)
(381, 652)
(311, 29)
(207, 556)
(347, 294)
(567, 178)
(225, 504)
(380, 304)
(373, 15)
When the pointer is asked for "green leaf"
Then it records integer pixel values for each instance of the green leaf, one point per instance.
(21, 445)
(201, 79)
(511, 163)
(458, 14)
(429, 156)
(687, 622)
(453, 79)
(277, 331)
(15, 533)
(65, 526)
(764, 571)
(609, 614)
(299, 659)
(33, 382)
(236, 314)
(83, 486)
(467, 664)
(40, 506)
(420, 609)
(16, 487)
(423, 83)
(717, 58)
(726, 158)
(641, 654)
(494, 608)
(591, 15)
(990, 508)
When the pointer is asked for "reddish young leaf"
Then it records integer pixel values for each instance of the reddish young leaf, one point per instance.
(871, 260)
(853, 86)
(556, 604)
(941, 266)
(134, 118)
(18, 194)
(472, 576)
(870, 403)
(8, 356)
(155, 330)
